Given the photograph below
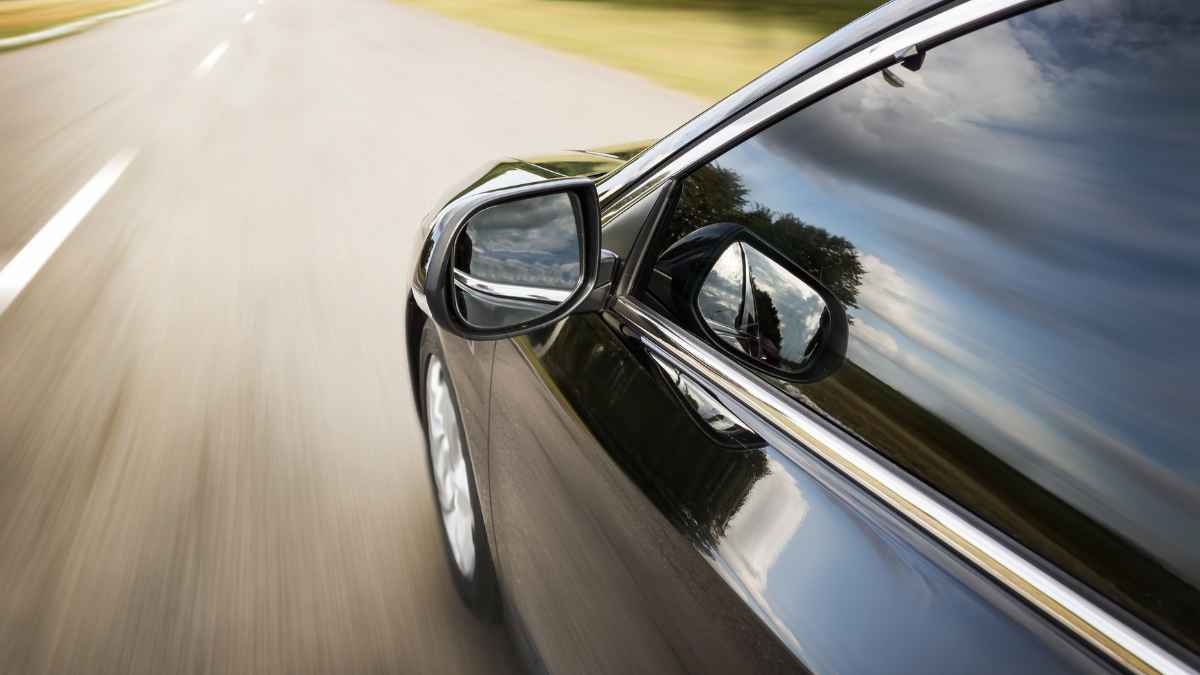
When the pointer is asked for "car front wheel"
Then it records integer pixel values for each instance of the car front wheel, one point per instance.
(453, 480)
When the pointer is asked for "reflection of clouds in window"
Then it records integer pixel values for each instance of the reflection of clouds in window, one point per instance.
(1006, 405)
(879, 340)
(532, 242)
(1029, 202)
(912, 311)
(991, 92)
(968, 88)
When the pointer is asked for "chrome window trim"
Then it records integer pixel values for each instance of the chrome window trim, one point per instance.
(1090, 622)
(936, 29)
(514, 291)
(1084, 618)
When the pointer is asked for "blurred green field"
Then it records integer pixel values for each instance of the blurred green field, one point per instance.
(18, 17)
(707, 48)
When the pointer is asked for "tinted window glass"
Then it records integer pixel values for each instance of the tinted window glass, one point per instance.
(1014, 233)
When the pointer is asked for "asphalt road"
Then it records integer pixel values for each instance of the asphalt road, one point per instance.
(209, 460)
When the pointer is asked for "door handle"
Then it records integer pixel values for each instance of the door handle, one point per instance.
(703, 405)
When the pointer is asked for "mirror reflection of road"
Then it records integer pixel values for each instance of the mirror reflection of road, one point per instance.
(208, 456)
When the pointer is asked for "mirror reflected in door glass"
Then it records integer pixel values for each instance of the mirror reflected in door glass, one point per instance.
(759, 309)
(518, 261)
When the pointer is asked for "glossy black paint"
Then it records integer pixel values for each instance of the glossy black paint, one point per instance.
(631, 538)
(1014, 253)
(630, 541)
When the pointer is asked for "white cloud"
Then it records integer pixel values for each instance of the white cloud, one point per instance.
(911, 311)
(879, 340)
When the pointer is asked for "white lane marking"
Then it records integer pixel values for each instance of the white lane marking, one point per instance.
(22, 268)
(209, 61)
(249, 17)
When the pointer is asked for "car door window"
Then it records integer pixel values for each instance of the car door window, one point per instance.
(1012, 232)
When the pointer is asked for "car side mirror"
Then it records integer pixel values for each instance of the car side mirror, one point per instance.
(732, 287)
(508, 261)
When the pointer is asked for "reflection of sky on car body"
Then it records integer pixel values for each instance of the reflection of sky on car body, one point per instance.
(793, 546)
(531, 242)
(1042, 299)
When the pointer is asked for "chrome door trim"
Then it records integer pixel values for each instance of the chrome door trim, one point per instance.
(1073, 611)
(930, 32)
(531, 293)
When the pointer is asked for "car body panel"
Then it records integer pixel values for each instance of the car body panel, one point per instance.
(470, 366)
(601, 508)
(595, 162)
(1017, 281)
(631, 542)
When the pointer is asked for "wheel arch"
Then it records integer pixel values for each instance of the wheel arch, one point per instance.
(414, 324)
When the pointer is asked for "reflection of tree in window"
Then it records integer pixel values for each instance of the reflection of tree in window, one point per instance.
(770, 328)
(714, 194)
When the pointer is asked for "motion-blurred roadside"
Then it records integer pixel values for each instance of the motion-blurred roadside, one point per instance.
(707, 48)
(209, 461)
(21, 17)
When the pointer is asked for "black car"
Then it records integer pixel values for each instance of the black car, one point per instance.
(885, 363)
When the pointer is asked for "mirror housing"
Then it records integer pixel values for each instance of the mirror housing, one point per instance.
(510, 306)
(726, 284)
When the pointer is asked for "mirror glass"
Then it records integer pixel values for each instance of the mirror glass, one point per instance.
(760, 309)
(518, 261)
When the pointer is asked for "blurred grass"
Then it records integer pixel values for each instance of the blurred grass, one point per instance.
(18, 17)
(703, 47)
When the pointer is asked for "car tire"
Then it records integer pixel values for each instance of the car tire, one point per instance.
(453, 483)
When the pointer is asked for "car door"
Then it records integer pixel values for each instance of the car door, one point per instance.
(666, 503)
(630, 540)
(597, 610)
(635, 535)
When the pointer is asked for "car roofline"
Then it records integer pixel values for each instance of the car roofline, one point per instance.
(884, 19)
